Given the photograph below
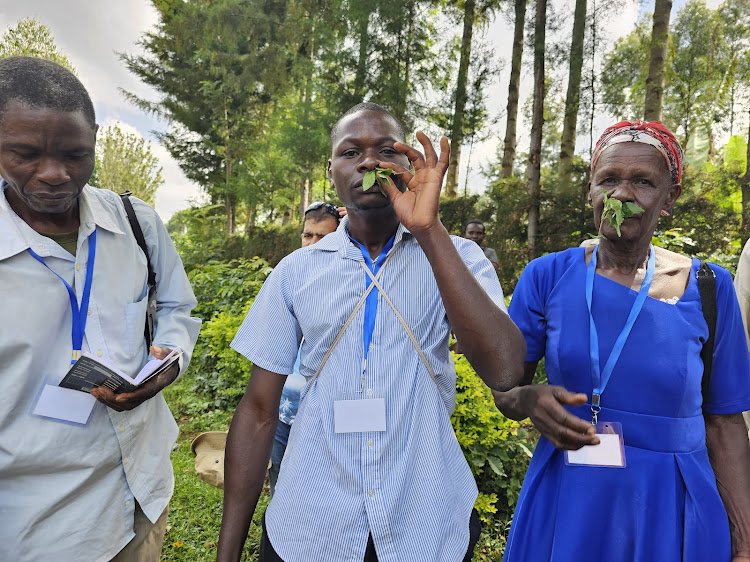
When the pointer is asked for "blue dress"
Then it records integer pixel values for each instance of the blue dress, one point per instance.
(664, 505)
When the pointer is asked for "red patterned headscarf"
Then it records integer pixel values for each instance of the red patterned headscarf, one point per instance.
(648, 132)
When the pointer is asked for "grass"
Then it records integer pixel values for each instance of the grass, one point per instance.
(196, 507)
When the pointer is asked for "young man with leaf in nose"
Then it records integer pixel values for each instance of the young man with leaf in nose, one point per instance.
(373, 470)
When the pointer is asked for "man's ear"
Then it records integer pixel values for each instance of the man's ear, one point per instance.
(589, 200)
(330, 178)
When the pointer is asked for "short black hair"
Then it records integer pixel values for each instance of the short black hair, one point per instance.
(41, 83)
(475, 221)
(320, 211)
(366, 106)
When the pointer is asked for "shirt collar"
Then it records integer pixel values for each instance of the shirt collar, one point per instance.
(93, 212)
(339, 241)
(12, 240)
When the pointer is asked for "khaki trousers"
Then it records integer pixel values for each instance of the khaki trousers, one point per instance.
(148, 540)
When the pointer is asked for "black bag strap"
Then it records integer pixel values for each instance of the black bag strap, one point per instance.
(707, 290)
(138, 233)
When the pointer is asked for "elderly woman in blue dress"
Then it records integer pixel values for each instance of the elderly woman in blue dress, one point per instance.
(635, 463)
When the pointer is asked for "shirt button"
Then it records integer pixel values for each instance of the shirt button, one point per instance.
(372, 346)
(89, 311)
(99, 353)
(78, 267)
(371, 493)
(127, 502)
(369, 442)
(369, 392)
(122, 428)
(127, 460)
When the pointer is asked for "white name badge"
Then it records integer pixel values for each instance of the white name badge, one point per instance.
(359, 416)
(64, 404)
(610, 452)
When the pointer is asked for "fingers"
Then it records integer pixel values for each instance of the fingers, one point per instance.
(342, 211)
(159, 352)
(569, 398)
(405, 175)
(563, 429)
(106, 397)
(121, 402)
(129, 400)
(390, 188)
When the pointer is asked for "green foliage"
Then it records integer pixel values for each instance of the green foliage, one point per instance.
(377, 174)
(199, 235)
(497, 449)
(32, 39)
(125, 162)
(616, 212)
(272, 243)
(225, 292)
(227, 287)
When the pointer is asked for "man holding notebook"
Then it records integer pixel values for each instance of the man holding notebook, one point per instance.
(83, 476)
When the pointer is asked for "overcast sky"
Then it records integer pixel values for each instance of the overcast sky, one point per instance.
(90, 32)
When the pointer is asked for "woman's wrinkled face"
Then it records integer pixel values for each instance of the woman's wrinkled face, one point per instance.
(634, 172)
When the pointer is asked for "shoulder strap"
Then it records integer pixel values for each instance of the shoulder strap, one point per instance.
(141, 240)
(707, 290)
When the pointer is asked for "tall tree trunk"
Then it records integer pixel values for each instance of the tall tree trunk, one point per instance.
(657, 61)
(509, 150)
(457, 127)
(363, 19)
(535, 148)
(573, 96)
(745, 184)
(304, 195)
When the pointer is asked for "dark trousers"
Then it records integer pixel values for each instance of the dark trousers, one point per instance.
(268, 554)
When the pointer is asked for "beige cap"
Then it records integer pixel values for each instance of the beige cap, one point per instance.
(208, 449)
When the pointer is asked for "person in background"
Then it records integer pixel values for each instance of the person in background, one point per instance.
(373, 470)
(635, 463)
(320, 220)
(82, 476)
(475, 231)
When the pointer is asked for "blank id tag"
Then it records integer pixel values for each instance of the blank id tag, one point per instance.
(358, 416)
(609, 453)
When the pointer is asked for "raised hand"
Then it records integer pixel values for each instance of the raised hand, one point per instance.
(417, 208)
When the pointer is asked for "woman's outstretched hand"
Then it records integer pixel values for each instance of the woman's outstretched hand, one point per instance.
(417, 208)
(543, 404)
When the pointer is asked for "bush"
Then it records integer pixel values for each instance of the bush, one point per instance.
(497, 449)
(225, 292)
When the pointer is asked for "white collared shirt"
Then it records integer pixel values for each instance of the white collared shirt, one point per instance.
(409, 486)
(68, 492)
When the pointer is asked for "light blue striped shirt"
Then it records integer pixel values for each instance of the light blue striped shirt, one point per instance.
(409, 486)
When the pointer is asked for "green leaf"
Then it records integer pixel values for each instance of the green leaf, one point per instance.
(496, 466)
(630, 209)
(368, 180)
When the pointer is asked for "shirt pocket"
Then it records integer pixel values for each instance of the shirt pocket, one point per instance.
(135, 323)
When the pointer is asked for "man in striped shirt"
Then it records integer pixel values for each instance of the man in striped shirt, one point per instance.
(373, 470)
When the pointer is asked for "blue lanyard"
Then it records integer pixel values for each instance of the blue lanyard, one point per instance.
(371, 304)
(79, 314)
(600, 379)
